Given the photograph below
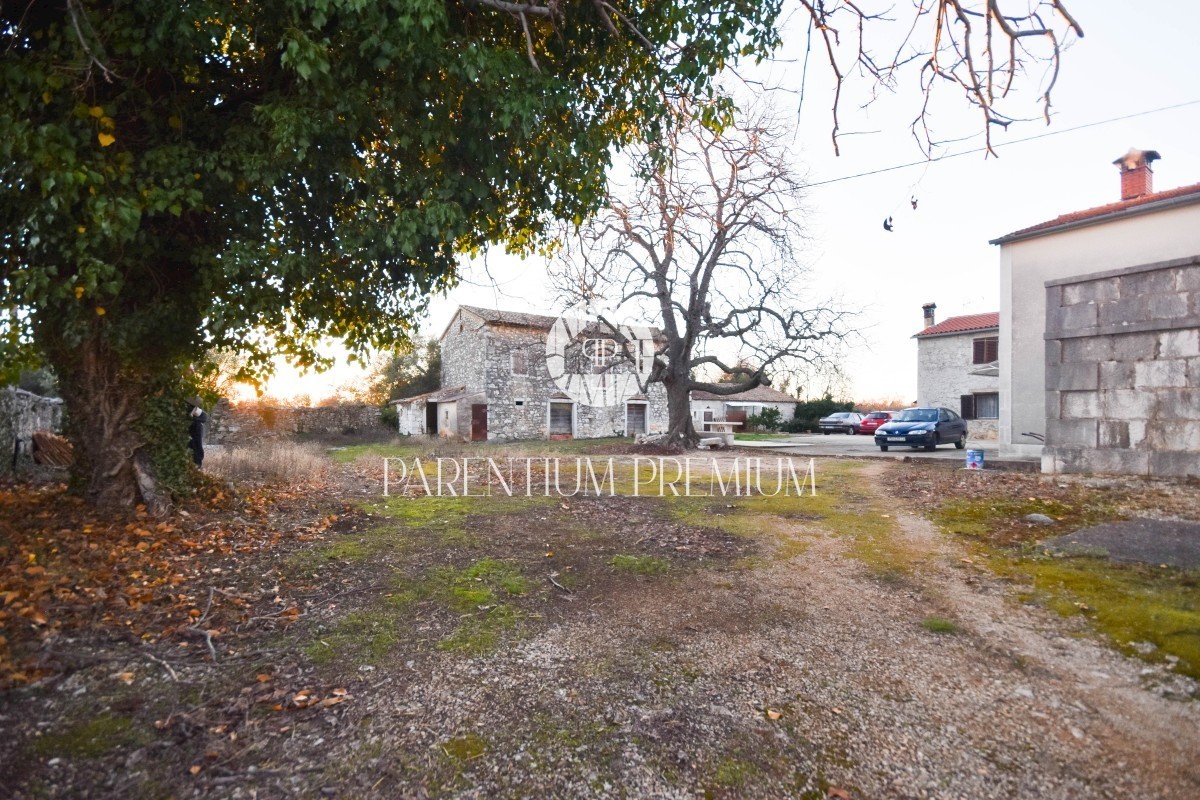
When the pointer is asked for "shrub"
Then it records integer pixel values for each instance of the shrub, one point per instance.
(769, 419)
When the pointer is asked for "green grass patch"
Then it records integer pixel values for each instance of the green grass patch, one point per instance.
(732, 773)
(361, 637)
(939, 625)
(479, 635)
(1128, 603)
(464, 748)
(93, 738)
(760, 437)
(640, 565)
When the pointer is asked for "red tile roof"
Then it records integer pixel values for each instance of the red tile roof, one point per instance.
(1102, 211)
(970, 322)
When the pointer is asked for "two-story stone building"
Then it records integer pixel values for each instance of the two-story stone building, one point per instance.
(499, 383)
(958, 367)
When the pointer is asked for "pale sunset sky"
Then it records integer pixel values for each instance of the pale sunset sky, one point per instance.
(1133, 58)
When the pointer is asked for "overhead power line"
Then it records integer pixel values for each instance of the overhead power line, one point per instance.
(927, 161)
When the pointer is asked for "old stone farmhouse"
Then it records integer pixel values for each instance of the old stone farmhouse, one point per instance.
(498, 383)
(1100, 333)
(958, 367)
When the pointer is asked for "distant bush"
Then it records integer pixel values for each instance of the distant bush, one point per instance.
(769, 419)
(809, 412)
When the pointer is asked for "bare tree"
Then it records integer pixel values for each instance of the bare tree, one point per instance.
(976, 48)
(705, 248)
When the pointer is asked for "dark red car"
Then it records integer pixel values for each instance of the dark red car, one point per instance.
(873, 420)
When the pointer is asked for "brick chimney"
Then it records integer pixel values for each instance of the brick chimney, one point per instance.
(929, 308)
(1137, 176)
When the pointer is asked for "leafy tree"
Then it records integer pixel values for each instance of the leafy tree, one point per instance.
(411, 370)
(181, 176)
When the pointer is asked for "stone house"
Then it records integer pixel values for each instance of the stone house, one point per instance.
(503, 384)
(958, 368)
(709, 407)
(1100, 333)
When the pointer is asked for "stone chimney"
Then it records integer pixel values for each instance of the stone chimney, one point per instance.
(1137, 176)
(929, 308)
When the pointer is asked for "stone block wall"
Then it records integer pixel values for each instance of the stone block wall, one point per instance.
(1123, 371)
(22, 413)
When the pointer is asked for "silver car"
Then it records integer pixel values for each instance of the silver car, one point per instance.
(841, 422)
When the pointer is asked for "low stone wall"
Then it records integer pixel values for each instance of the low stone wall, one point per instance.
(1123, 371)
(22, 413)
(230, 424)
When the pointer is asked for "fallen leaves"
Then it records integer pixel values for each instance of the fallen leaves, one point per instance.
(65, 568)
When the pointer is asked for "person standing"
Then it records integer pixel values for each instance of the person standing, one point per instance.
(198, 419)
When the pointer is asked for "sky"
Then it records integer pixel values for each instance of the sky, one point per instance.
(1126, 64)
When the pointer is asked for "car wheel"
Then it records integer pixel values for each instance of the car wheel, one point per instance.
(853, 430)
(933, 441)
(962, 442)
(826, 433)
(883, 448)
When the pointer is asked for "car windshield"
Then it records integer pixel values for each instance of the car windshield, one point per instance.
(877, 415)
(917, 415)
(839, 415)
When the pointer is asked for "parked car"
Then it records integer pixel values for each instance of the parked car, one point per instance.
(841, 422)
(922, 427)
(873, 420)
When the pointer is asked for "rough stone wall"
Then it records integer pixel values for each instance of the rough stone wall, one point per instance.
(530, 420)
(944, 366)
(22, 413)
(464, 353)
(229, 424)
(1123, 371)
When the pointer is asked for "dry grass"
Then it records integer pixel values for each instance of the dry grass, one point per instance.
(269, 462)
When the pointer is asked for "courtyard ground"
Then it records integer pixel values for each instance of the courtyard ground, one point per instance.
(902, 633)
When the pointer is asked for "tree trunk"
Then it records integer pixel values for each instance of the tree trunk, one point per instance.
(680, 431)
(104, 402)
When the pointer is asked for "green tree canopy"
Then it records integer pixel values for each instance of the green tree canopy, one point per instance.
(257, 175)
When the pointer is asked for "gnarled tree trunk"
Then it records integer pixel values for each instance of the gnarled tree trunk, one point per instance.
(104, 401)
(680, 431)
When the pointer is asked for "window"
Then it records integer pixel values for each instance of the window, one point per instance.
(987, 350)
(980, 406)
(520, 362)
(987, 406)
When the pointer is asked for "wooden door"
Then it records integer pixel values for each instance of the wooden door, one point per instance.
(479, 430)
(560, 420)
(635, 418)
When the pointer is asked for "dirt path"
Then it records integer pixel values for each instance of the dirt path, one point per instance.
(799, 677)
(799, 658)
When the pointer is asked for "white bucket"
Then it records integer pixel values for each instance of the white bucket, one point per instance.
(974, 459)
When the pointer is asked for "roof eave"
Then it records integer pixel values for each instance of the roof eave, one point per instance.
(1147, 208)
(923, 335)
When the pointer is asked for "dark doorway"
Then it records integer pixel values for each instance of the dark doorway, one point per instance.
(431, 426)
(635, 419)
(479, 430)
(560, 420)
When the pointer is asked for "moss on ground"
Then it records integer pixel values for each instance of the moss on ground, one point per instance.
(92, 738)
(939, 625)
(640, 565)
(1129, 604)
